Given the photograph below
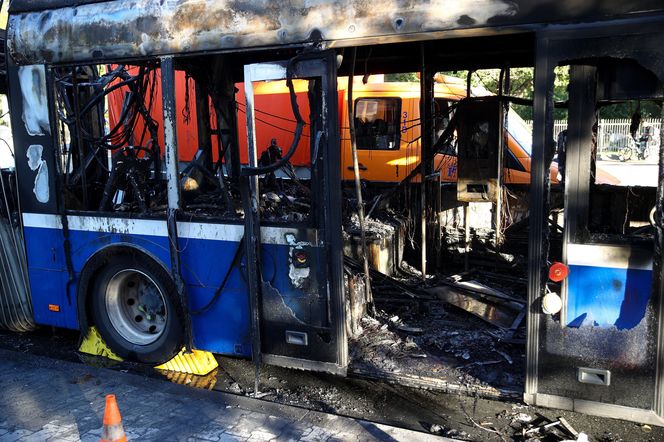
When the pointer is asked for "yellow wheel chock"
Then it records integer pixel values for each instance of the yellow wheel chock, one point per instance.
(94, 345)
(198, 363)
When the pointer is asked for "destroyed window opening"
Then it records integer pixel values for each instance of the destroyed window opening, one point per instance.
(110, 139)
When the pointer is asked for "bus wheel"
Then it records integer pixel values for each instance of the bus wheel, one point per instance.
(136, 309)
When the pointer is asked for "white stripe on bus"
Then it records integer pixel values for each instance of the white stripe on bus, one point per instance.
(609, 256)
(149, 227)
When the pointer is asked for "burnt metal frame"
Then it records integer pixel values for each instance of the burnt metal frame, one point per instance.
(36, 26)
(320, 64)
(582, 97)
(426, 131)
(554, 45)
(173, 187)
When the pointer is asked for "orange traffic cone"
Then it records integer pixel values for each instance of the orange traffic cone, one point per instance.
(112, 430)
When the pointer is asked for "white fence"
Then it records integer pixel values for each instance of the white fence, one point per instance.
(612, 135)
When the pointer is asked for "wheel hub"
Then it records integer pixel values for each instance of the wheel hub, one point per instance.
(136, 307)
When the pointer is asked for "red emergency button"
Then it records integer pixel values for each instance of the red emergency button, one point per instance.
(558, 271)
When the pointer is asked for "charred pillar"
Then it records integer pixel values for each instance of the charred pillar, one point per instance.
(582, 91)
(539, 208)
(223, 100)
(203, 119)
(173, 185)
(426, 143)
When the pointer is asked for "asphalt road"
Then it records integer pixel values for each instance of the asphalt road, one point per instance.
(632, 173)
(455, 416)
(43, 399)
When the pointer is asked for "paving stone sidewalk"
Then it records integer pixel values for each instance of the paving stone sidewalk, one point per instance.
(43, 399)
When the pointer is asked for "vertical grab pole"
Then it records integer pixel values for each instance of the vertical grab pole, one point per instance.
(426, 143)
(358, 185)
(173, 186)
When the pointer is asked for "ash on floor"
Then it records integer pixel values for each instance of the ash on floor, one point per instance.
(430, 340)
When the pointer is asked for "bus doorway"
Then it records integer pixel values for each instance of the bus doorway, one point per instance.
(594, 342)
(447, 302)
(299, 323)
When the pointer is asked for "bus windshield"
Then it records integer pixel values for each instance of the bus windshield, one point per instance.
(520, 131)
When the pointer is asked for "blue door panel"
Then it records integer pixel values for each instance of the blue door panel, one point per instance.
(607, 296)
(225, 327)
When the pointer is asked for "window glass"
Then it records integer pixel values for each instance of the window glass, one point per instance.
(377, 123)
(520, 131)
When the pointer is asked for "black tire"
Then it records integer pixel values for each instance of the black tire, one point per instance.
(170, 339)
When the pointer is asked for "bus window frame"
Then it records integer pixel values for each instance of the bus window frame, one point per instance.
(397, 136)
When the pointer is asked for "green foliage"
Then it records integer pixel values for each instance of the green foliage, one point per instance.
(404, 76)
(648, 109)
(522, 85)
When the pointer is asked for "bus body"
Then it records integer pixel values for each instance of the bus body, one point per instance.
(160, 246)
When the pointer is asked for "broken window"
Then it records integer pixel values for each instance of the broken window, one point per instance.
(110, 150)
(206, 185)
(285, 193)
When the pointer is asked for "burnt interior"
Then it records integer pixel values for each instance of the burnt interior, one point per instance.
(449, 258)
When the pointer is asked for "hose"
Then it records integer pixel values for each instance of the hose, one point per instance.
(260, 170)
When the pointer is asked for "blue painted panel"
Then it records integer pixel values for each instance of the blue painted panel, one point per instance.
(47, 287)
(48, 273)
(85, 244)
(607, 296)
(225, 328)
(44, 248)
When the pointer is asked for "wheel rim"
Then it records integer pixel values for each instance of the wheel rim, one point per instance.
(136, 307)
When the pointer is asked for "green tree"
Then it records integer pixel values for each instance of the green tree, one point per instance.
(522, 85)
(402, 77)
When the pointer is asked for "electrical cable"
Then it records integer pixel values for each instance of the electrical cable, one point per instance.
(259, 170)
(234, 262)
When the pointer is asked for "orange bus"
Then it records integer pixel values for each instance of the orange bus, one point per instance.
(386, 121)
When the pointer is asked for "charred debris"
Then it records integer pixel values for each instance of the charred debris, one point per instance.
(448, 258)
(458, 326)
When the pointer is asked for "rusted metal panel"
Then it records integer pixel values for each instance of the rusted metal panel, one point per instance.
(131, 28)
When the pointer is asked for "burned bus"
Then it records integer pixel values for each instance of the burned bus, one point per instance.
(548, 291)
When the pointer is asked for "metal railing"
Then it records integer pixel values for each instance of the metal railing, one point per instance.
(612, 134)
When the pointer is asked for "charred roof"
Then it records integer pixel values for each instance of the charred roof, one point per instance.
(62, 31)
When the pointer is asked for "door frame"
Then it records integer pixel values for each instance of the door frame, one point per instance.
(554, 45)
(320, 64)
